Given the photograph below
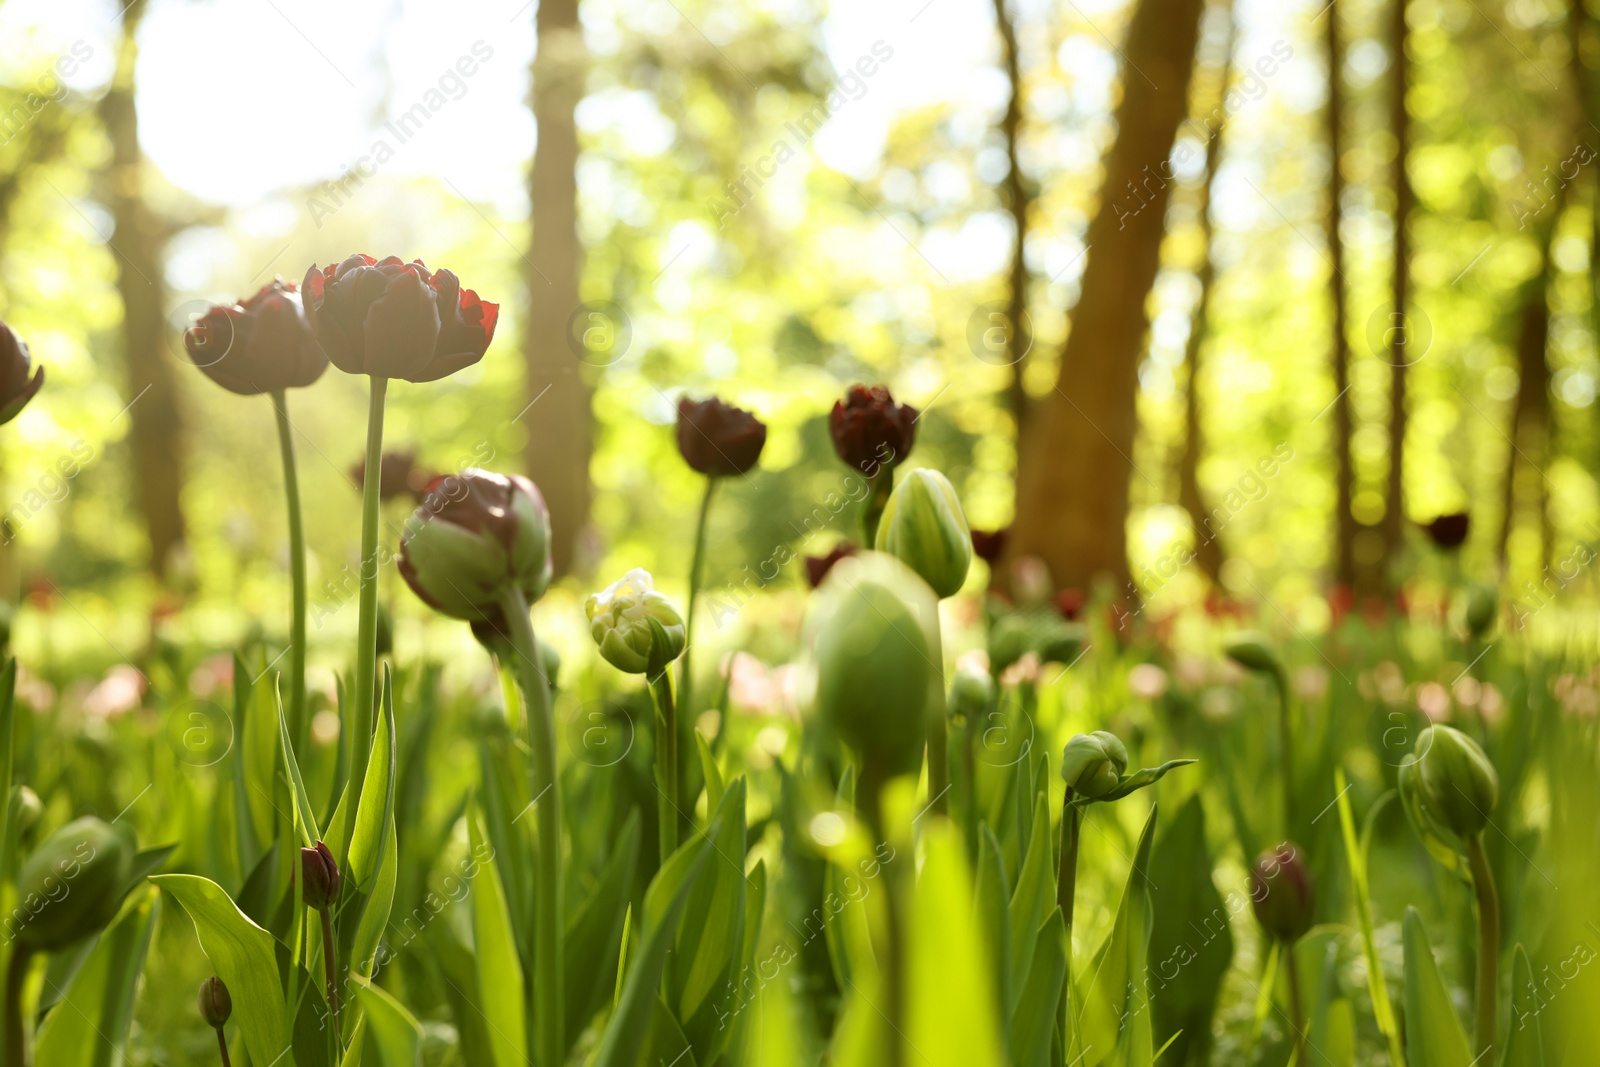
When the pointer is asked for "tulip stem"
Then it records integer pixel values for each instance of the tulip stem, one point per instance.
(882, 487)
(330, 964)
(547, 950)
(1286, 743)
(696, 563)
(222, 1046)
(1488, 944)
(297, 574)
(869, 802)
(1297, 1012)
(666, 761)
(367, 632)
(1067, 875)
(16, 1036)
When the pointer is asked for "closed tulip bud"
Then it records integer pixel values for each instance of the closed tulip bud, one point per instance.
(1093, 763)
(971, 691)
(1449, 531)
(872, 628)
(26, 807)
(476, 533)
(1254, 652)
(1010, 638)
(19, 380)
(870, 430)
(321, 873)
(718, 439)
(260, 345)
(215, 1003)
(72, 884)
(1481, 607)
(638, 629)
(1448, 786)
(924, 526)
(392, 319)
(1282, 894)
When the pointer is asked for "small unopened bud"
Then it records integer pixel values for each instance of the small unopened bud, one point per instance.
(1481, 608)
(1281, 893)
(215, 1003)
(971, 691)
(76, 880)
(321, 872)
(1093, 763)
(1448, 786)
(1254, 652)
(637, 629)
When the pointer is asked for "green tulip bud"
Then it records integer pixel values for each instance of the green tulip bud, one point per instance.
(1448, 786)
(872, 627)
(924, 526)
(971, 691)
(475, 533)
(1481, 607)
(72, 885)
(26, 807)
(1056, 640)
(1254, 652)
(1282, 894)
(1093, 763)
(1010, 638)
(215, 1003)
(638, 629)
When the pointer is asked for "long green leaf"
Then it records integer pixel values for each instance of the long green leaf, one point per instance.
(1115, 1020)
(89, 1028)
(1524, 1042)
(1356, 857)
(500, 979)
(595, 933)
(1030, 903)
(1434, 1037)
(1033, 1024)
(307, 822)
(395, 1033)
(1191, 942)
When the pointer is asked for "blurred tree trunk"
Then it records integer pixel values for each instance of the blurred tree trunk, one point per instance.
(559, 419)
(1019, 331)
(1399, 332)
(1075, 460)
(1345, 528)
(1207, 549)
(138, 240)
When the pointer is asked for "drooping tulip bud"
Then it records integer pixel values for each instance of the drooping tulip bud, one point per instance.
(637, 628)
(398, 475)
(260, 345)
(872, 628)
(870, 431)
(16, 366)
(1449, 531)
(1448, 786)
(1481, 607)
(1092, 764)
(817, 567)
(215, 1003)
(1282, 894)
(392, 319)
(475, 533)
(72, 884)
(717, 439)
(924, 526)
(1254, 652)
(971, 691)
(321, 873)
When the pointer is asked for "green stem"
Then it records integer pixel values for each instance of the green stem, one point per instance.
(1488, 945)
(1286, 743)
(222, 1046)
(297, 572)
(969, 767)
(869, 802)
(666, 761)
(1297, 1013)
(362, 699)
(696, 564)
(547, 951)
(882, 486)
(1067, 884)
(330, 964)
(939, 739)
(18, 1054)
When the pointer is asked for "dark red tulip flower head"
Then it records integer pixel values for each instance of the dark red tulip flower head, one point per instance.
(1282, 894)
(817, 567)
(321, 872)
(475, 533)
(16, 366)
(1449, 531)
(871, 431)
(719, 439)
(260, 345)
(398, 475)
(989, 545)
(391, 319)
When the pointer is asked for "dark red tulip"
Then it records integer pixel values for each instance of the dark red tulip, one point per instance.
(475, 532)
(321, 872)
(871, 431)
(398, 474)
(817, 567)
(988, 545)
(16, 364)
(216, 1005)
(397, 320)
(1069, 602)
(260, 345)
(719, 439)
(1281, 893)
(1449, 531)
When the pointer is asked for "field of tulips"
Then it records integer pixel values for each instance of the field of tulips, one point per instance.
(916, 822)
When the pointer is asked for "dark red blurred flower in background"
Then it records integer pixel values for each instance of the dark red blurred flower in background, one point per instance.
(1341, 599)
(719, 439)
(16, 364)
(260, 345)
(1070, 603)
(870, 430)
(817, 567)
(397, 320)
(1449, 531)
(988, 545)
(398, 474)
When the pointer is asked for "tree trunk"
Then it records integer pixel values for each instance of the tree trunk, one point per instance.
(1019, 328)
(1345, 528)
(1400, 330)
(1075, 459)
(138, 239)
(561, 336)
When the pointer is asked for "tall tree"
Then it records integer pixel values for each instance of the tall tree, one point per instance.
(1400, 332)
(1076, 456)
(138, 239)
(1345, 527)
(1019, 334)
(560, 335)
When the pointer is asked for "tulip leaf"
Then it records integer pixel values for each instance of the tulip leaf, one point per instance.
(1191, 942)
(258, 753)
(1130, 783)
(8, 707)
(715, 786)
(1033, 1023)
(1356, 856)
(374, 814)
(459, 968)
(1434, 1037)
(499, 969)
(712, 931)
(89, 1028)
(358, 1043)
(594, 934)
(1030, 903)
(993, 904)
(1524, 1042)
(395, 1033)
(309, 833)
(375, 908)
(242, 955)
(1114, 1025)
